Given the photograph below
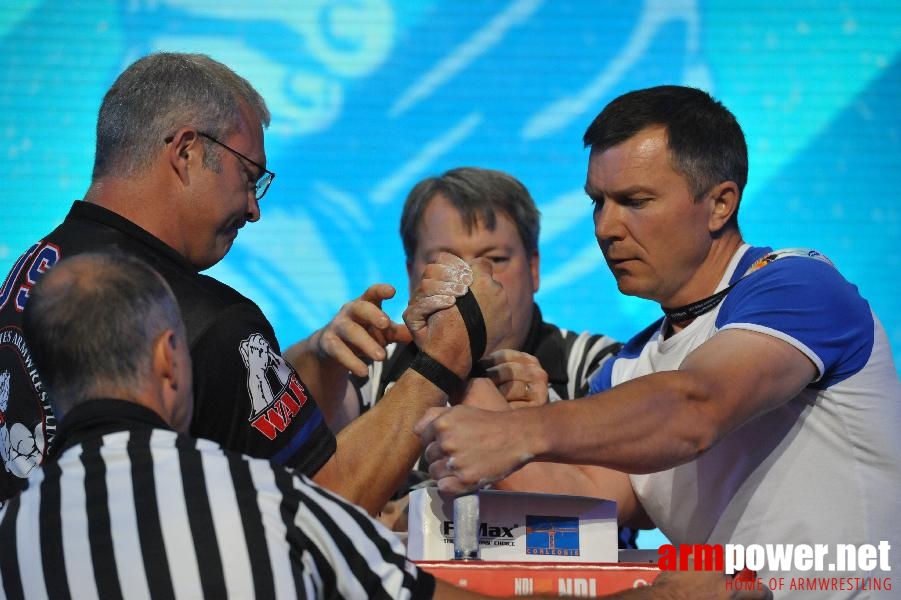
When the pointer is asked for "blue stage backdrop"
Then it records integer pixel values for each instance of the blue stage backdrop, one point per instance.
(369, 96)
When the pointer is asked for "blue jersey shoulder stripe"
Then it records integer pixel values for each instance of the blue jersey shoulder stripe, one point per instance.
(809, 301)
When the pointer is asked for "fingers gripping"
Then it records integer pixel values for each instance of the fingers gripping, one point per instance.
(418, 312)
(442, 282)
(445, 379)
(449, 267)
(518, 376)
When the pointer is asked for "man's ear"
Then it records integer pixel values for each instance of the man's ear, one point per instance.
(724, 197)
(165, 361)
(172, 395)
(183, 149)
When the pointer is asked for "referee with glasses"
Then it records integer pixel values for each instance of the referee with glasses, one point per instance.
(128, 506)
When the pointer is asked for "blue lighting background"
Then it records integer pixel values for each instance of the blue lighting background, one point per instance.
(369, 96)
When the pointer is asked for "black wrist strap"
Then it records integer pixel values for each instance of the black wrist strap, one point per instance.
(442, 377)
(475, 327)
(445, 379)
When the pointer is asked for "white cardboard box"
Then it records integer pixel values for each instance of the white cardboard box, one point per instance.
(517, 526)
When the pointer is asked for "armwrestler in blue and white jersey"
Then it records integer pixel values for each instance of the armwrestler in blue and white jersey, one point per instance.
(763, 413)
(831, 449)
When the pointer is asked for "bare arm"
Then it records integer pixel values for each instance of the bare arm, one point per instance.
(507, 390)
(377, 450)
(648, 424)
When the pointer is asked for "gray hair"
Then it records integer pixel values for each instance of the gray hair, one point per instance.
(478, 194)
(160, 93)
(91, 323)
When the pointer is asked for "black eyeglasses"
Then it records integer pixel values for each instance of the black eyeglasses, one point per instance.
(263, 181)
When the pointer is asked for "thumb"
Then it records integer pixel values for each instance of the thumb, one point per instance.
(399, 333)
(378, 292)
(419, 310)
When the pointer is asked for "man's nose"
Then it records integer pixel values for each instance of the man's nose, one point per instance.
(607, 222)
(253, 208)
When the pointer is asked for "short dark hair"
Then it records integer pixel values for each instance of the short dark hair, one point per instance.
(478, 194)
(161, 92)
(706, 142)
(91, 323)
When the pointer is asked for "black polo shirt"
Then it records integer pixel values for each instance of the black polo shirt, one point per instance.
(246, 396)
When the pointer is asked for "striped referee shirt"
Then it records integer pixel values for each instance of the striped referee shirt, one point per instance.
(125, 507)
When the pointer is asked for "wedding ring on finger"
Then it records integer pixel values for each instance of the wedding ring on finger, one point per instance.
(450, 464)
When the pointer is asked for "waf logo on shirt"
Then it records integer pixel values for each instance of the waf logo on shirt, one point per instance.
(23, 422)
(552, 536)
(276, 394)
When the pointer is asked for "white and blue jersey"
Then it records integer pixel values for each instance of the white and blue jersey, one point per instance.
(824, 468)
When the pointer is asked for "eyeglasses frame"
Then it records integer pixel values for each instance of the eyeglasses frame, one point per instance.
(263, 181)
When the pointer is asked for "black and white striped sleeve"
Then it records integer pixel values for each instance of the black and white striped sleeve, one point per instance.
(585, 354)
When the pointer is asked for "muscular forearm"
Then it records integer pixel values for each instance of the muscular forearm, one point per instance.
(377, 450)
(662, 420)
(645, 425)
(648, 424)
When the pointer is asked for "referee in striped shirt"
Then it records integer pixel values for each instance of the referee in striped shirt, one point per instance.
(128, 506)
